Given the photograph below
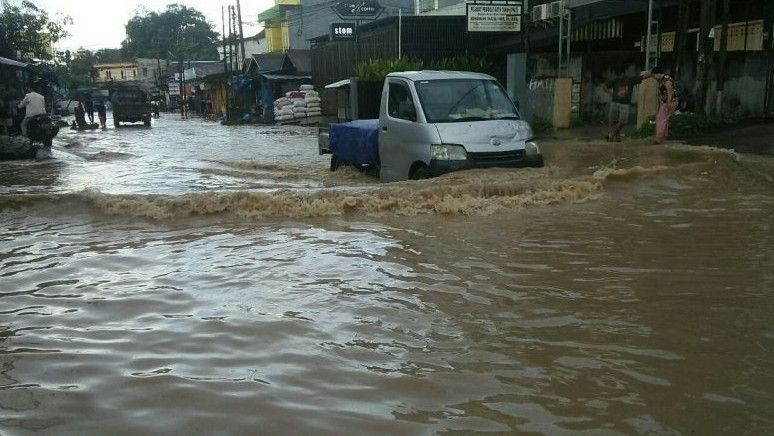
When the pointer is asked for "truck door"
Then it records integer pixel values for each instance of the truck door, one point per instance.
(404, 136)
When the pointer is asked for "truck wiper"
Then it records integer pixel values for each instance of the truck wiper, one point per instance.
(469, 119)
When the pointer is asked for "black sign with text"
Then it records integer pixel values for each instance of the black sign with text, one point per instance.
(343, 31)
(358, 9)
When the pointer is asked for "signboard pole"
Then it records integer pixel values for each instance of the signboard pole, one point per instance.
(400, 29)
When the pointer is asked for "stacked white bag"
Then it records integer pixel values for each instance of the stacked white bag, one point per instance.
(283, 109)
(299, 107)
(298, 104)
(313, 102)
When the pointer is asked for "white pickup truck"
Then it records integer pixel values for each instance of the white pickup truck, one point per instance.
(434, 122)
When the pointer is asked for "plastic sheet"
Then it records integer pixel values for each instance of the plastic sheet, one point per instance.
(356, 142)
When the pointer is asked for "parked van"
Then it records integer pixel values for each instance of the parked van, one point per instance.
(433, 122)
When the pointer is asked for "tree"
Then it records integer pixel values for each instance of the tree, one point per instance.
(77, 72)
(27, 31)
(106, 55)
(181, 31)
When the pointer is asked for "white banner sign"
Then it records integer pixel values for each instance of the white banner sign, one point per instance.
(174, 88)
(494, 18)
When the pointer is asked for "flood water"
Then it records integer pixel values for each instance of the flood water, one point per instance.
(199, 279)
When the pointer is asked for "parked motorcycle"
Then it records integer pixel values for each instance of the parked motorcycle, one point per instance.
(41, 132)
(41, 129)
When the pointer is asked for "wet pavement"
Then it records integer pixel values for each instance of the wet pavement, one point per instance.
(201, 279)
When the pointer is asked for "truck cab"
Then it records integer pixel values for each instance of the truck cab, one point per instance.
(434, 122)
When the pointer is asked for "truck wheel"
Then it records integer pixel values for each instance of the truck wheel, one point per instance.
(147, 123)
(419, 172)
(115, 123)
(335, 162)
(48, 142)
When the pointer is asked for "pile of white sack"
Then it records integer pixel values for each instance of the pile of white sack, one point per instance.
(312, 100)
(298, 104)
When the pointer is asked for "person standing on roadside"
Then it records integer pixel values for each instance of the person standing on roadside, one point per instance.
(35, 104)
(5, 110)
(88, 106)
(102, 114)
(620, 91)
(668, 101)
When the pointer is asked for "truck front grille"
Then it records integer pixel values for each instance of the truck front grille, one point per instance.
(497, 157)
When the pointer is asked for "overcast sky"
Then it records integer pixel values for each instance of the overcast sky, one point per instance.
(100, 23)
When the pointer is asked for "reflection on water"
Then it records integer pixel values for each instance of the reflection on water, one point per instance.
(197, 279)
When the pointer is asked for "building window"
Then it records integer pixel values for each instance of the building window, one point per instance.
(134, 73)
(123, 75)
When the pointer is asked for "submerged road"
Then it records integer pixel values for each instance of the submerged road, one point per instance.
(193, 278)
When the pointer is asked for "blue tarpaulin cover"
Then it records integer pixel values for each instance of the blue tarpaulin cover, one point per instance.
(356, 142)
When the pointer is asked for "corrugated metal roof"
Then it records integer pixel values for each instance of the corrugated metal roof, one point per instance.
(301, 60)
(266, 62)
(12, 63)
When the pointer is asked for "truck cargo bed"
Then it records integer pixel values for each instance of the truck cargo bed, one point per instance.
(355, 142)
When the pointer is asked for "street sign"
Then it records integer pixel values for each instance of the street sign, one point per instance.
(494, 18)
(358, 9)
(343, 31)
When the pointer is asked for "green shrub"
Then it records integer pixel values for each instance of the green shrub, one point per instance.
(375, 70)
(541, 125)
(576, 122)
(683, 126)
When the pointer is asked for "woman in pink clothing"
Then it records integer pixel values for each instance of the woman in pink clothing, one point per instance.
(668, 101)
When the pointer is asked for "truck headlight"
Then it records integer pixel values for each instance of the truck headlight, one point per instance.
(531, 148)
(448, 152)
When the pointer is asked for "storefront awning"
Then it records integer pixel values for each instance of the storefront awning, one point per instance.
(272, 14)
(339, 84)
(285, 77)
(12, 63)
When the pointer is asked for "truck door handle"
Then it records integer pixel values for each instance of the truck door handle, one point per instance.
(384, 129)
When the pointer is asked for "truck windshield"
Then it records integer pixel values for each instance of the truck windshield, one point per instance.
(455, 100)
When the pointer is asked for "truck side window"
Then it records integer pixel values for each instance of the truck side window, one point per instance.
(400, 104)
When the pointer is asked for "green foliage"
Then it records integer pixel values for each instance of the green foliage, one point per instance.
(576, 122)
(541, 125)
(375, 70)
(27, 31)
(105, 55)
(181, 31)
(462, 63)
(683, 126)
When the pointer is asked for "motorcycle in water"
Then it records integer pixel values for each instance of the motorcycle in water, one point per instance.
(41, 132)
(41, 129)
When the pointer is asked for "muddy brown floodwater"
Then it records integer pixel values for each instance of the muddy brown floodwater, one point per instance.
(198, 279)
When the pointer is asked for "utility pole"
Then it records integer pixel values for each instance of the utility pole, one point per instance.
(225, 67)
(241, 34)
(647, 34)
(230, 40)
(681, 36)
(722, 67)
(705, 53)
(181, 71)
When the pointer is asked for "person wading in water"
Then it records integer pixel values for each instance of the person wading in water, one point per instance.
(620, 91)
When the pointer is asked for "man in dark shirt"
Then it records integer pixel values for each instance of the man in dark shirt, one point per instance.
(620, 91)
(88, 106)
(102, 114)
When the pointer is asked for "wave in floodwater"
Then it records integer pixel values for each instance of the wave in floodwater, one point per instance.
(477, 192)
